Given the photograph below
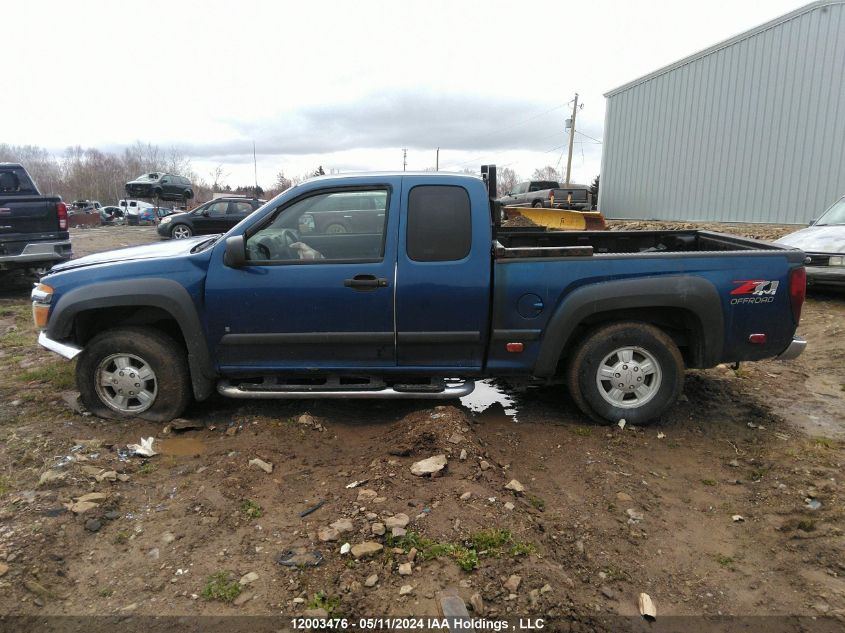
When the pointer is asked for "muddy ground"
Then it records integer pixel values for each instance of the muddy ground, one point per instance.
(606, 513)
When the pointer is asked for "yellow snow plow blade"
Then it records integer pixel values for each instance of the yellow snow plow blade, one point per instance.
(559, 219)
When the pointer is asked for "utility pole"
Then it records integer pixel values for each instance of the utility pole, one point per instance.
(404, 158)
(437, 161)
(571, 138)
(255, 168)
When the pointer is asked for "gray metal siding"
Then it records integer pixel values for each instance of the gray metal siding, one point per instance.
(751, 132)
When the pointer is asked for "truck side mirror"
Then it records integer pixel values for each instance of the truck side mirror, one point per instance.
(235, 254)
(812, 222)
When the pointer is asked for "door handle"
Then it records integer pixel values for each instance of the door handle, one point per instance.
(365, 282)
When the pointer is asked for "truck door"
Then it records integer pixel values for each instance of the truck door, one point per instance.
(443, 276)
(306, 298)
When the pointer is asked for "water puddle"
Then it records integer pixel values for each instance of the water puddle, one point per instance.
(490, 402)
(181, 447)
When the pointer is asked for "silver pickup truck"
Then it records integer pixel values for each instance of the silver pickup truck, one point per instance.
(549, 194)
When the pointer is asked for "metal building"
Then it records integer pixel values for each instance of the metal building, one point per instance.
(749, 130)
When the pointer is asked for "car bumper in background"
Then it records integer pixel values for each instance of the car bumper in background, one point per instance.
(796, 347)
(37, 252)
(826, 276)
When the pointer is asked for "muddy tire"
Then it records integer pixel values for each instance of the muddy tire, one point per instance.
(537, 204)
(134, 372)
(632, 371)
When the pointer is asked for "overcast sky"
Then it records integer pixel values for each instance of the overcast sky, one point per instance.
(345, 84)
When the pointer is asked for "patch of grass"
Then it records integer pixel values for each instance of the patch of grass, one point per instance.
(4, 486)
(322, 600)
(536, 502)
(490, 539)
(121, 538)
(147, 468)
(490, 542)
(251, 509)
(522, 549)
(221, 587)
(725, 561)
(17, 339)
(466, 558)
(708, 482)
(758, 473)
(807, 525)
(823, 442)
(105, 592)
(59, 374)
(583, 431)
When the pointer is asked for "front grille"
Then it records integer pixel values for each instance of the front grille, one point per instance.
(818, 260)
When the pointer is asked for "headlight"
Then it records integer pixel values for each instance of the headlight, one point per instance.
(166, 219)
(41, 296)
(837, 260)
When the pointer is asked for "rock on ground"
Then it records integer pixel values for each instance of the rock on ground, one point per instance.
(429, 466)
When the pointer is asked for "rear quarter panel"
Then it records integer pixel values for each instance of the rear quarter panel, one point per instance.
(761, 307)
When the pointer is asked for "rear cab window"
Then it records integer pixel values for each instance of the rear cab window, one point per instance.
(439, 223)
(14, 180)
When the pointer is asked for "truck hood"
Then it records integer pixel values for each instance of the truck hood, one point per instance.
(170, 248)
(817, 239)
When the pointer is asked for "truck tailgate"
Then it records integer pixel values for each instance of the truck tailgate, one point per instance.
(24, 214)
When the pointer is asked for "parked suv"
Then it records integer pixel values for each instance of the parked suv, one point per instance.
(160, 185)
(216, 216)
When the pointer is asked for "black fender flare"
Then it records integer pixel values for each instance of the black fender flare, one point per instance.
(165, 294)
(694, 294)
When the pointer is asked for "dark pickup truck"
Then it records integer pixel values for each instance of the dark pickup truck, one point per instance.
(417, 305)
(33, 228)
(550, 195)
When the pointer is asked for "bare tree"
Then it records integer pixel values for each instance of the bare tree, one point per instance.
(217, 175)
(546, 173)
(506, 180)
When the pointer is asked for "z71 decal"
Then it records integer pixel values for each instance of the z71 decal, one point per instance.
(755, 291)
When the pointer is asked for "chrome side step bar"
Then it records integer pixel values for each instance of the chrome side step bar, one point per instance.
(456, 389)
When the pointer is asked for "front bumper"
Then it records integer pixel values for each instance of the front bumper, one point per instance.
(826, 276)
(796, 347)
(65, 350)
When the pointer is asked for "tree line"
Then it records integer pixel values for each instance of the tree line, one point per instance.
(92, 174)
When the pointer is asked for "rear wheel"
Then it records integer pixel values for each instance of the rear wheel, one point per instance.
(335, 229)
(181, 232)
(537, 204)
(134, 372)
(632, 371)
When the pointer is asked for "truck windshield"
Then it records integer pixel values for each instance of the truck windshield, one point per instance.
(834, 215)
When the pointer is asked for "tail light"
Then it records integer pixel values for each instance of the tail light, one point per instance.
(552, 197)
(797, 291)
(61, 212)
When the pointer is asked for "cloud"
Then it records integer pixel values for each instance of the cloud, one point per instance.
(413, 120)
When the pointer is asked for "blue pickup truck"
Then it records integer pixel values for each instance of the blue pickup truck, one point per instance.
(425, 296)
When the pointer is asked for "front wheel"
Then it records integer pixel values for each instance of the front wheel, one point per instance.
(134, 372)
(181, 232)
(632, 371)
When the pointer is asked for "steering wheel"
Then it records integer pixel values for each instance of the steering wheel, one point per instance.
(274, 247)
(284, 239)
(262, 249)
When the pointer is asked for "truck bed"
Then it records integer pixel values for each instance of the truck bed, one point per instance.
(521, 243)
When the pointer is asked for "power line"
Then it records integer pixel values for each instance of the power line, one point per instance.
(588, 136)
